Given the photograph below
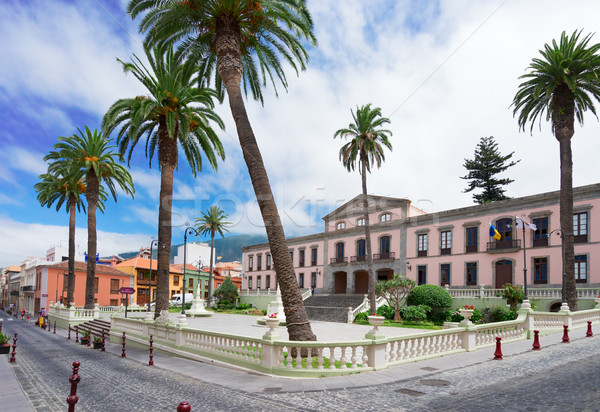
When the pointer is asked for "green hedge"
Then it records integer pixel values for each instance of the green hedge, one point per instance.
(431, 295)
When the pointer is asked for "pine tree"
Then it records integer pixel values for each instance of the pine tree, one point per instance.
(488, 163)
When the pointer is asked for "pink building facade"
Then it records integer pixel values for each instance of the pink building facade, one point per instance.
(452, 247)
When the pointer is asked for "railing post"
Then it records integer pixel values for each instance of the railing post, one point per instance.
(69, 335)
(468, 338)
(74, 379)
(76, 333)
(103, 342)
(350, 315)
(123, 351)
(14, 349)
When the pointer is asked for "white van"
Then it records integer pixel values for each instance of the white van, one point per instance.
(177, 299)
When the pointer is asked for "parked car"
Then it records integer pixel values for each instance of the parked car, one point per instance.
(177, 299)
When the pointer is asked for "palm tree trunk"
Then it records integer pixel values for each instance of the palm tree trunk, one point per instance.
(566, 220)
(71, 274)
(210, 265)
(92, 193)
(369, 257)
(167, 156)
(230, 70)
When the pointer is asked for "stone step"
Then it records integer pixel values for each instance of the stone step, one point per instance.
(331, 308)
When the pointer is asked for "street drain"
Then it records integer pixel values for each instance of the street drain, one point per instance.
(410, 392)
(430, 369)
(434, 382)
(272, 389)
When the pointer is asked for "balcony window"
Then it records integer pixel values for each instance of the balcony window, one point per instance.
(175, 280)
(446, 242)
(540, 270)
(422, 275)
(581, 268)
(504, 227)
(472, 273)
(313, 256)
(114, 286)
(301, 258)
(580, 226)
(301, 280)
(259, 262)
(445, 274)
(540, 236)
(258, 282)
(249, 284)
(472, 239)
(268, 262)
(268, 282)
(422, 244)
(361, 250)
(313, 280)
(250, 263)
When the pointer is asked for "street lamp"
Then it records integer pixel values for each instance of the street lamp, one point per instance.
(185, 233)
(154, 241)
(560, 233)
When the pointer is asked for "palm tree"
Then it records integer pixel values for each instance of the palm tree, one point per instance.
(209, 224)
(91, 153)
(241, 41)
(174, 114)
(562, 85)
(364, 150)
(64, 186)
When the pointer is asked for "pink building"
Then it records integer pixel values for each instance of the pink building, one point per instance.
(452, 247)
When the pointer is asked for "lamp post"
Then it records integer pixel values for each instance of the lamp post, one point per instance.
(185, 233)
(560, 233)
(154, 241)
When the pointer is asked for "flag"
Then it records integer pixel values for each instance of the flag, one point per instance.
(521, 222)
(494, 232)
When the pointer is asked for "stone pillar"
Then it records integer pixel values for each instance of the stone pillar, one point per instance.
(468, 339)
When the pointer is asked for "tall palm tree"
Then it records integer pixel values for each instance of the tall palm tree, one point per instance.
(93, 155)
(209, 224)
(365, 149)
(174, 114)
(65, 186)
(561, 85)
(243, 41)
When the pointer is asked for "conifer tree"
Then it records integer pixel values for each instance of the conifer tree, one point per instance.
(483, 171)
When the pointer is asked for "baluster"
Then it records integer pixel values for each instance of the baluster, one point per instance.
(392, 354)
(320, 359)
(299, 358)
(281, 359)
(309, 358)
(399, 350)
(343, 358)
(332, 358)
(353, 357)
(289, 357)
(365, 358)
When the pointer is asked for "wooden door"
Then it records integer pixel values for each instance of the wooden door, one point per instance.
(361, 282)
(340, 282)
(503, 273)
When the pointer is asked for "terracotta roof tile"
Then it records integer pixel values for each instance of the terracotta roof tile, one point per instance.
(82, 266)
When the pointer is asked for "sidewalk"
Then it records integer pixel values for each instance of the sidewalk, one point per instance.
(11, 394)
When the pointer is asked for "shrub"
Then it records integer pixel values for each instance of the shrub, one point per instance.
(243, 306)
(513, 295)
(386, 312)
(362, 317)
(431, 295)
(415, 313)
(264, 312)
(501, 314)
(455, 316)
(188, 305)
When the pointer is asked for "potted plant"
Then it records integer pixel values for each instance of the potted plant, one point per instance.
(272, 321)
(98, 342)
(466, 312)
(85, 337)
(376, 320)
(4, 343)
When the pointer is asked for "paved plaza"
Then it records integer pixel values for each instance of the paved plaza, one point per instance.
(559, 377)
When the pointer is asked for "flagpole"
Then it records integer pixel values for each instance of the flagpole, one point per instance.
(524, 264)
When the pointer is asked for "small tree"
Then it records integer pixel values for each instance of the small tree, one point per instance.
(227, 291)
(488, 163)
(395, 291)
(513, 295)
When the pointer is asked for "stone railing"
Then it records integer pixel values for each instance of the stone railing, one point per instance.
(273, 355)
(258, 292)
(363, 307)
(306, 294)
(532, 292)
(65, 317)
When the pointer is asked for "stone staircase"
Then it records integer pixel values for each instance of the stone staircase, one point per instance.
(331, 308)
(95, 327)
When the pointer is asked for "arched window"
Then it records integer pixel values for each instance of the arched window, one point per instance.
(385, 217)
(384, 247)
(339, 252)
(340, 225)
(360, 221)
(361, 250)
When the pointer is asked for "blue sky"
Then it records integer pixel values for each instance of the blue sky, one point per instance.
(444, 72)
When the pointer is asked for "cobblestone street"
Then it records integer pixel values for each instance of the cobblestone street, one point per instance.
(559, 377)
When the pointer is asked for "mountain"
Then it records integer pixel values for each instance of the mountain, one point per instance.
(229, 248)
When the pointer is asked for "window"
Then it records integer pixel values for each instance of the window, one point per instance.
(580, 227)
(141, 276)
(206, 283)
(581, 268)
(386, 217)
(268, 261)
(340, 225)
(446, 242)
(259, 262)
(313, 256)
(313, 280)
(471, 273)
(249, 285)
(268, 282)
(250, 263)
(114, 286)
(114, 302)
(190, 282)
(301, 258)
(339, 252)
(422, 244)
(95, 285)
(504, 227)
(444, 274)
(258, 283)
(360, 221)
(66, 281)
(301, 280)
(472, 239)
(540, 270)
(292, 255)
(361, 251)
(422, 275)
(384, 247)
(540, 236)
(175, 280)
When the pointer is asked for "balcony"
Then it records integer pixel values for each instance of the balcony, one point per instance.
(384, 256)
(27, 288)
(446, 251)
(338, 260)
(504, 246)
(361, 258)
(540, 242)
(471, 249)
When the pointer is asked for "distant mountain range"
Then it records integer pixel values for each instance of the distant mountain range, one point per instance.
(229, 248)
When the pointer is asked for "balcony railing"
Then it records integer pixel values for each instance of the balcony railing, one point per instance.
(384, 256)
(27, 288)
(361, 258)
(540, 242)
(504, 244)
(471, 249)
(446, 251)
(338, 260)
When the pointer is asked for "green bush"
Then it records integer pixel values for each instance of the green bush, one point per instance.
(440, 316)
(501, 314)
(362, 317)
(431, 295)
(243, 306)
(457, 317)
(414, 313)
(386, 312)
(264, 312)
(188, 305)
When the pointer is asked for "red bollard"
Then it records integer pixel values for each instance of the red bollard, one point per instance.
(103, 350)
(123, 352)
(54, 333)
(151, 361)
(14, 346)
(588, 334)
(69, 335)
(90, 338)
(184, 407)
(74, 379)
(49, 328)
(565, 338)
(76, 334)
(536, 340)
(498, 353)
